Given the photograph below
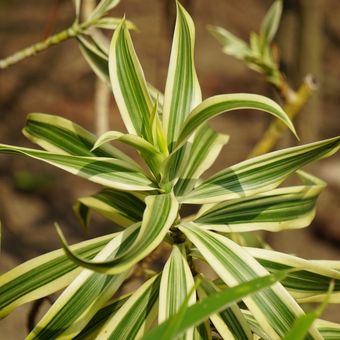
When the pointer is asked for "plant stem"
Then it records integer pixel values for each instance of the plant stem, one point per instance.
(294, 103)
(40, 46)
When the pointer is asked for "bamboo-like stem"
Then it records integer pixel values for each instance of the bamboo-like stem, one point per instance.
(43, 45)
(295, 101)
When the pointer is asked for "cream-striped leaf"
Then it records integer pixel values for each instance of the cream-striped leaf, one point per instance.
(229, 323)
(160, 213)
(329, 330)
(259, 174)
(274, 308)
(176, 284)
(308, 285)
(200, 311)
(113, 173)
(102, 8)
(216, 105)
(44, 274)
(60, 135)
(204, 150)
(128, 84)
(182, 90)
(100, 318)
(136, 315)
(275, 210)
(123, 208)
(152, 157)
(87, 294)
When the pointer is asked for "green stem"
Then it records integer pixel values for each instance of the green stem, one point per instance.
(43, 45)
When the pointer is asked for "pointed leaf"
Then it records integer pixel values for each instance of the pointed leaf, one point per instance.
(159, 215)
(259, 174)
(274, 308)
(87, 294)
(271, 21)
(44, 274)
(176, 283)
(275, 210)
(102, 8)
(128, 84)
(205, 149)
(216, 105)
(60, 135)
(121, 207)
(182, 91)
(215, 303)
(110, 172)
(135, 316)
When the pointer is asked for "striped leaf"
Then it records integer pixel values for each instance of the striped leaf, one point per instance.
(44, 275)
(230, 323)
(329, 330)
(60, 135)
(176, 283)
(216, 105)
(302, 325)
(259, 174)
(152, 157)
(231, 44)
(110, 23)
(135, 317)
(123, 208)
(128, 84)
(271, 22)
(308, 285)
(182, 90)
(95, 57)
(103, 7)
(275, 210)
(274, 308)
(87, 294)
(100, 318)
(200, 311)
(159, 215)
(205, 149)
(110, 172)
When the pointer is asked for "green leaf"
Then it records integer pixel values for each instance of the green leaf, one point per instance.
(159, 215)
(110, 23)
(128, 84)
(309, 284)
(275, 210)
(259, 174)
(216, 105)
(274, 308)
(152, 157)
(215, 303)
(121, 207)
(98, 320)
(95, 57)
(103, 7)
(230, 323)
(205, 148)
(176, 283)
(182, 91)
(304, 323)
(60, 135)
(86, 295)
(329, 330)
(271, 21)
(136, 315)
(44, 275)
(110, 172)
(232, 45)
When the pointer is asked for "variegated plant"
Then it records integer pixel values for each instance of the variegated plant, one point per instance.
(244, 299)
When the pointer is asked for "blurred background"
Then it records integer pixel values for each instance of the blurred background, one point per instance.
(58, 81)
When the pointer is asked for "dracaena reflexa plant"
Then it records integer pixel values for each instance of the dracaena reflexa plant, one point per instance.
(256, 292)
